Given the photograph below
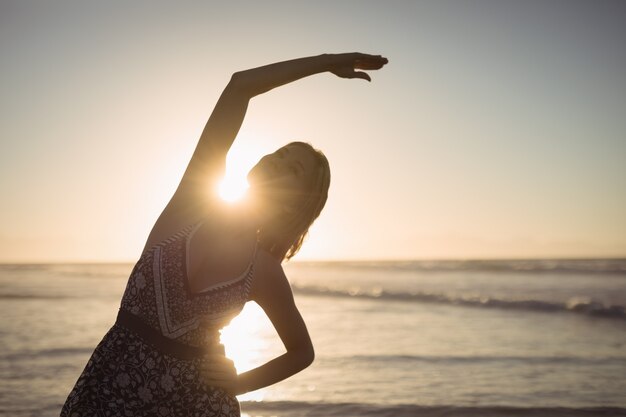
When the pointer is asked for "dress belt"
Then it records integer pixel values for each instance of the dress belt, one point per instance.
(164, 344)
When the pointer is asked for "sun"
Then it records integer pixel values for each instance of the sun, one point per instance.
(232, 188)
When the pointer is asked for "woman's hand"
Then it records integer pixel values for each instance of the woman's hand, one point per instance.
(219, 372)
(344, 65)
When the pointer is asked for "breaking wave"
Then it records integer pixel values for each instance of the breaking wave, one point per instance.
(574, 305)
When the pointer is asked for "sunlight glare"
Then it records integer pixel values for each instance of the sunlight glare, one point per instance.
(241, 157)
(249, 341)
(232, 188)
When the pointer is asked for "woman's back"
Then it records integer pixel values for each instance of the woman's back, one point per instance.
(161, 292)
(220, 250)
(152, 357)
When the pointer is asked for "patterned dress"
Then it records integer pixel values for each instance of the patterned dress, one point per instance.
(149, 362)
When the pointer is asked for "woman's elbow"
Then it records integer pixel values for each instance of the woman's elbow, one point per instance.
(236, 78)
(308, 356)
(303, 356)
(240, 82)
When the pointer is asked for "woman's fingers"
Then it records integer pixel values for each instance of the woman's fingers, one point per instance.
(219, 360)
(361, 75)
(230, 387)
(219, 371)
(227, 385)
(219, 380)
(346, 64)
(220, 368)
(348, 72)
(371, 63)
(214, 358)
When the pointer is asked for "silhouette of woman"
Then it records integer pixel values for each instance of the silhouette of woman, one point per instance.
(204, 260)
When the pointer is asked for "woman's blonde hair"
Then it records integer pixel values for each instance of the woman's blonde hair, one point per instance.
(285, 242)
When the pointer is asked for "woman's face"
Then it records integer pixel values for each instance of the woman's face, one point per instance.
(282, 179)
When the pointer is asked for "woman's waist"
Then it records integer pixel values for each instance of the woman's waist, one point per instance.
(166, 345)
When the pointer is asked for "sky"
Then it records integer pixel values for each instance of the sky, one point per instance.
(498, 129)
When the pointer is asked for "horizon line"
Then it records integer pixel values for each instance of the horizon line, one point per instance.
(347, 260)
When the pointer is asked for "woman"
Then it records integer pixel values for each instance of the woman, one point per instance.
(203, 261)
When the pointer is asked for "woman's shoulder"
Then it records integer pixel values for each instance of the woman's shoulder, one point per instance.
(268, 263)
(268, 271)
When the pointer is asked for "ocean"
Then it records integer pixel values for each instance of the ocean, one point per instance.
(411, 338)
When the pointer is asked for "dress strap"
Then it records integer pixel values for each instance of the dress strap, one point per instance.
(254, 251)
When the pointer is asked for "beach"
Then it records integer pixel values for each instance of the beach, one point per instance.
(454, 338)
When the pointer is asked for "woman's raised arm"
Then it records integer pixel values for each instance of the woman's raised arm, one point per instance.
(259, 80)
(207, 164)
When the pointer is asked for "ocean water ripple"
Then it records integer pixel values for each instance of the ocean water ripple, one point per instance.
(295, 408)
(611, 266)
(574, 305)
(460, 359)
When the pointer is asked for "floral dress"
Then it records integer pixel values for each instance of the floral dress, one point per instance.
(149, 362)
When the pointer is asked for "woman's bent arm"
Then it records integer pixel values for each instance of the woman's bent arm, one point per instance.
(276, 370)
(271, 290)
